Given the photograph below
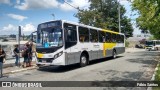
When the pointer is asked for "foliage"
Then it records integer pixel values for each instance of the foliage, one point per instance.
(104, 14)
(149, 17)
(126, 43)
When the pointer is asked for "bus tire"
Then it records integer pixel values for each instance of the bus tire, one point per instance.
(83, 60)
(114, 54)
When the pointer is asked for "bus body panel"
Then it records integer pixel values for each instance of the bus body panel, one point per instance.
(95, 51)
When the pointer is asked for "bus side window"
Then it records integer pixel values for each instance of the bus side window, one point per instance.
(118, 38)
(110, 37)
(107, 37)
(93, 35)
(121, 38)
(113, 38)
(101, 36)
(83, 34)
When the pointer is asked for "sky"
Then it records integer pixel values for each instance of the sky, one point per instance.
(29, 13)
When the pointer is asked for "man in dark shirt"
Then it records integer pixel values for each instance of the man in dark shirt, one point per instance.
(26, 56)
(2, 55)
(16, 52)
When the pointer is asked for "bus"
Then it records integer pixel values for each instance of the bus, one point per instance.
(152, 45)
(62, 42)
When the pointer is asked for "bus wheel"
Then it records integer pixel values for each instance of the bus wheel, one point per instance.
(83, 60)
(114, 54)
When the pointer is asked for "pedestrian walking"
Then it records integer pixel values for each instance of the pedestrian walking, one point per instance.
(25, 54)
(16, 53)
(2, 59)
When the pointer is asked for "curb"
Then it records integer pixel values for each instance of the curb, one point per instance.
(13, 64)
(153, 76)
(20, 70)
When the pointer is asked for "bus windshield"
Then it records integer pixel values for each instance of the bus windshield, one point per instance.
(50, 37)
(149, 43)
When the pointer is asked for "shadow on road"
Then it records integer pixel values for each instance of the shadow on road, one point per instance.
(60, 69)
(114, 75)
(146, 53)
(141, 60)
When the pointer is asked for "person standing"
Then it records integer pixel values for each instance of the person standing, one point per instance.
(2, 58)
(25, 54)
(16, 53)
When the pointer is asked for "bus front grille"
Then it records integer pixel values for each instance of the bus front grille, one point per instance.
(45, 60)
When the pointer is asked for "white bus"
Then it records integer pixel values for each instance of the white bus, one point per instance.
(62, 42)
(152, 45)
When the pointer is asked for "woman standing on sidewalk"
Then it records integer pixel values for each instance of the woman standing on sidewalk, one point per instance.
(16, 53)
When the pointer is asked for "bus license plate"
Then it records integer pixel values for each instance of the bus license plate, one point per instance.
(43, 61)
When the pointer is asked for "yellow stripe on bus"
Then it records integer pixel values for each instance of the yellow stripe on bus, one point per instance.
(39, 55)
(110, 31)
(107, 46)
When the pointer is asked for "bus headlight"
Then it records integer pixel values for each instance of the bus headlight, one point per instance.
(58, 54)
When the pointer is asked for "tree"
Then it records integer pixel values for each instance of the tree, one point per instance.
(104, 14)
(149, 17)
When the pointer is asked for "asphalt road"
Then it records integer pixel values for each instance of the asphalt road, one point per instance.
(130, 66)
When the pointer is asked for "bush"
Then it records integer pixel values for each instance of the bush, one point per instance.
(126, 43)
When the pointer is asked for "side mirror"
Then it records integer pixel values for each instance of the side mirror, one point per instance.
(33, 39)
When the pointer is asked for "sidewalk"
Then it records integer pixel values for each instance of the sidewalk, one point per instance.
(129, 50)
(9, 66)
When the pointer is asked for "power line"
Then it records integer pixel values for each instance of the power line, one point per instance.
(71, 5)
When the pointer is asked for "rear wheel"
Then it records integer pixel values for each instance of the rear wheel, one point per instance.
(83, 60)
(114, 55)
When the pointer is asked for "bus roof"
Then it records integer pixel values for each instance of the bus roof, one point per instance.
(87, 26)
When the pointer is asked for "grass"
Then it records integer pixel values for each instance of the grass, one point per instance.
(157, 78)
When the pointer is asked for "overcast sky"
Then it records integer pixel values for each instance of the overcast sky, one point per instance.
(29, 13)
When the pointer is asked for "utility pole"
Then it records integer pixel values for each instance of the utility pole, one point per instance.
(119, 16)
(19, 37)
